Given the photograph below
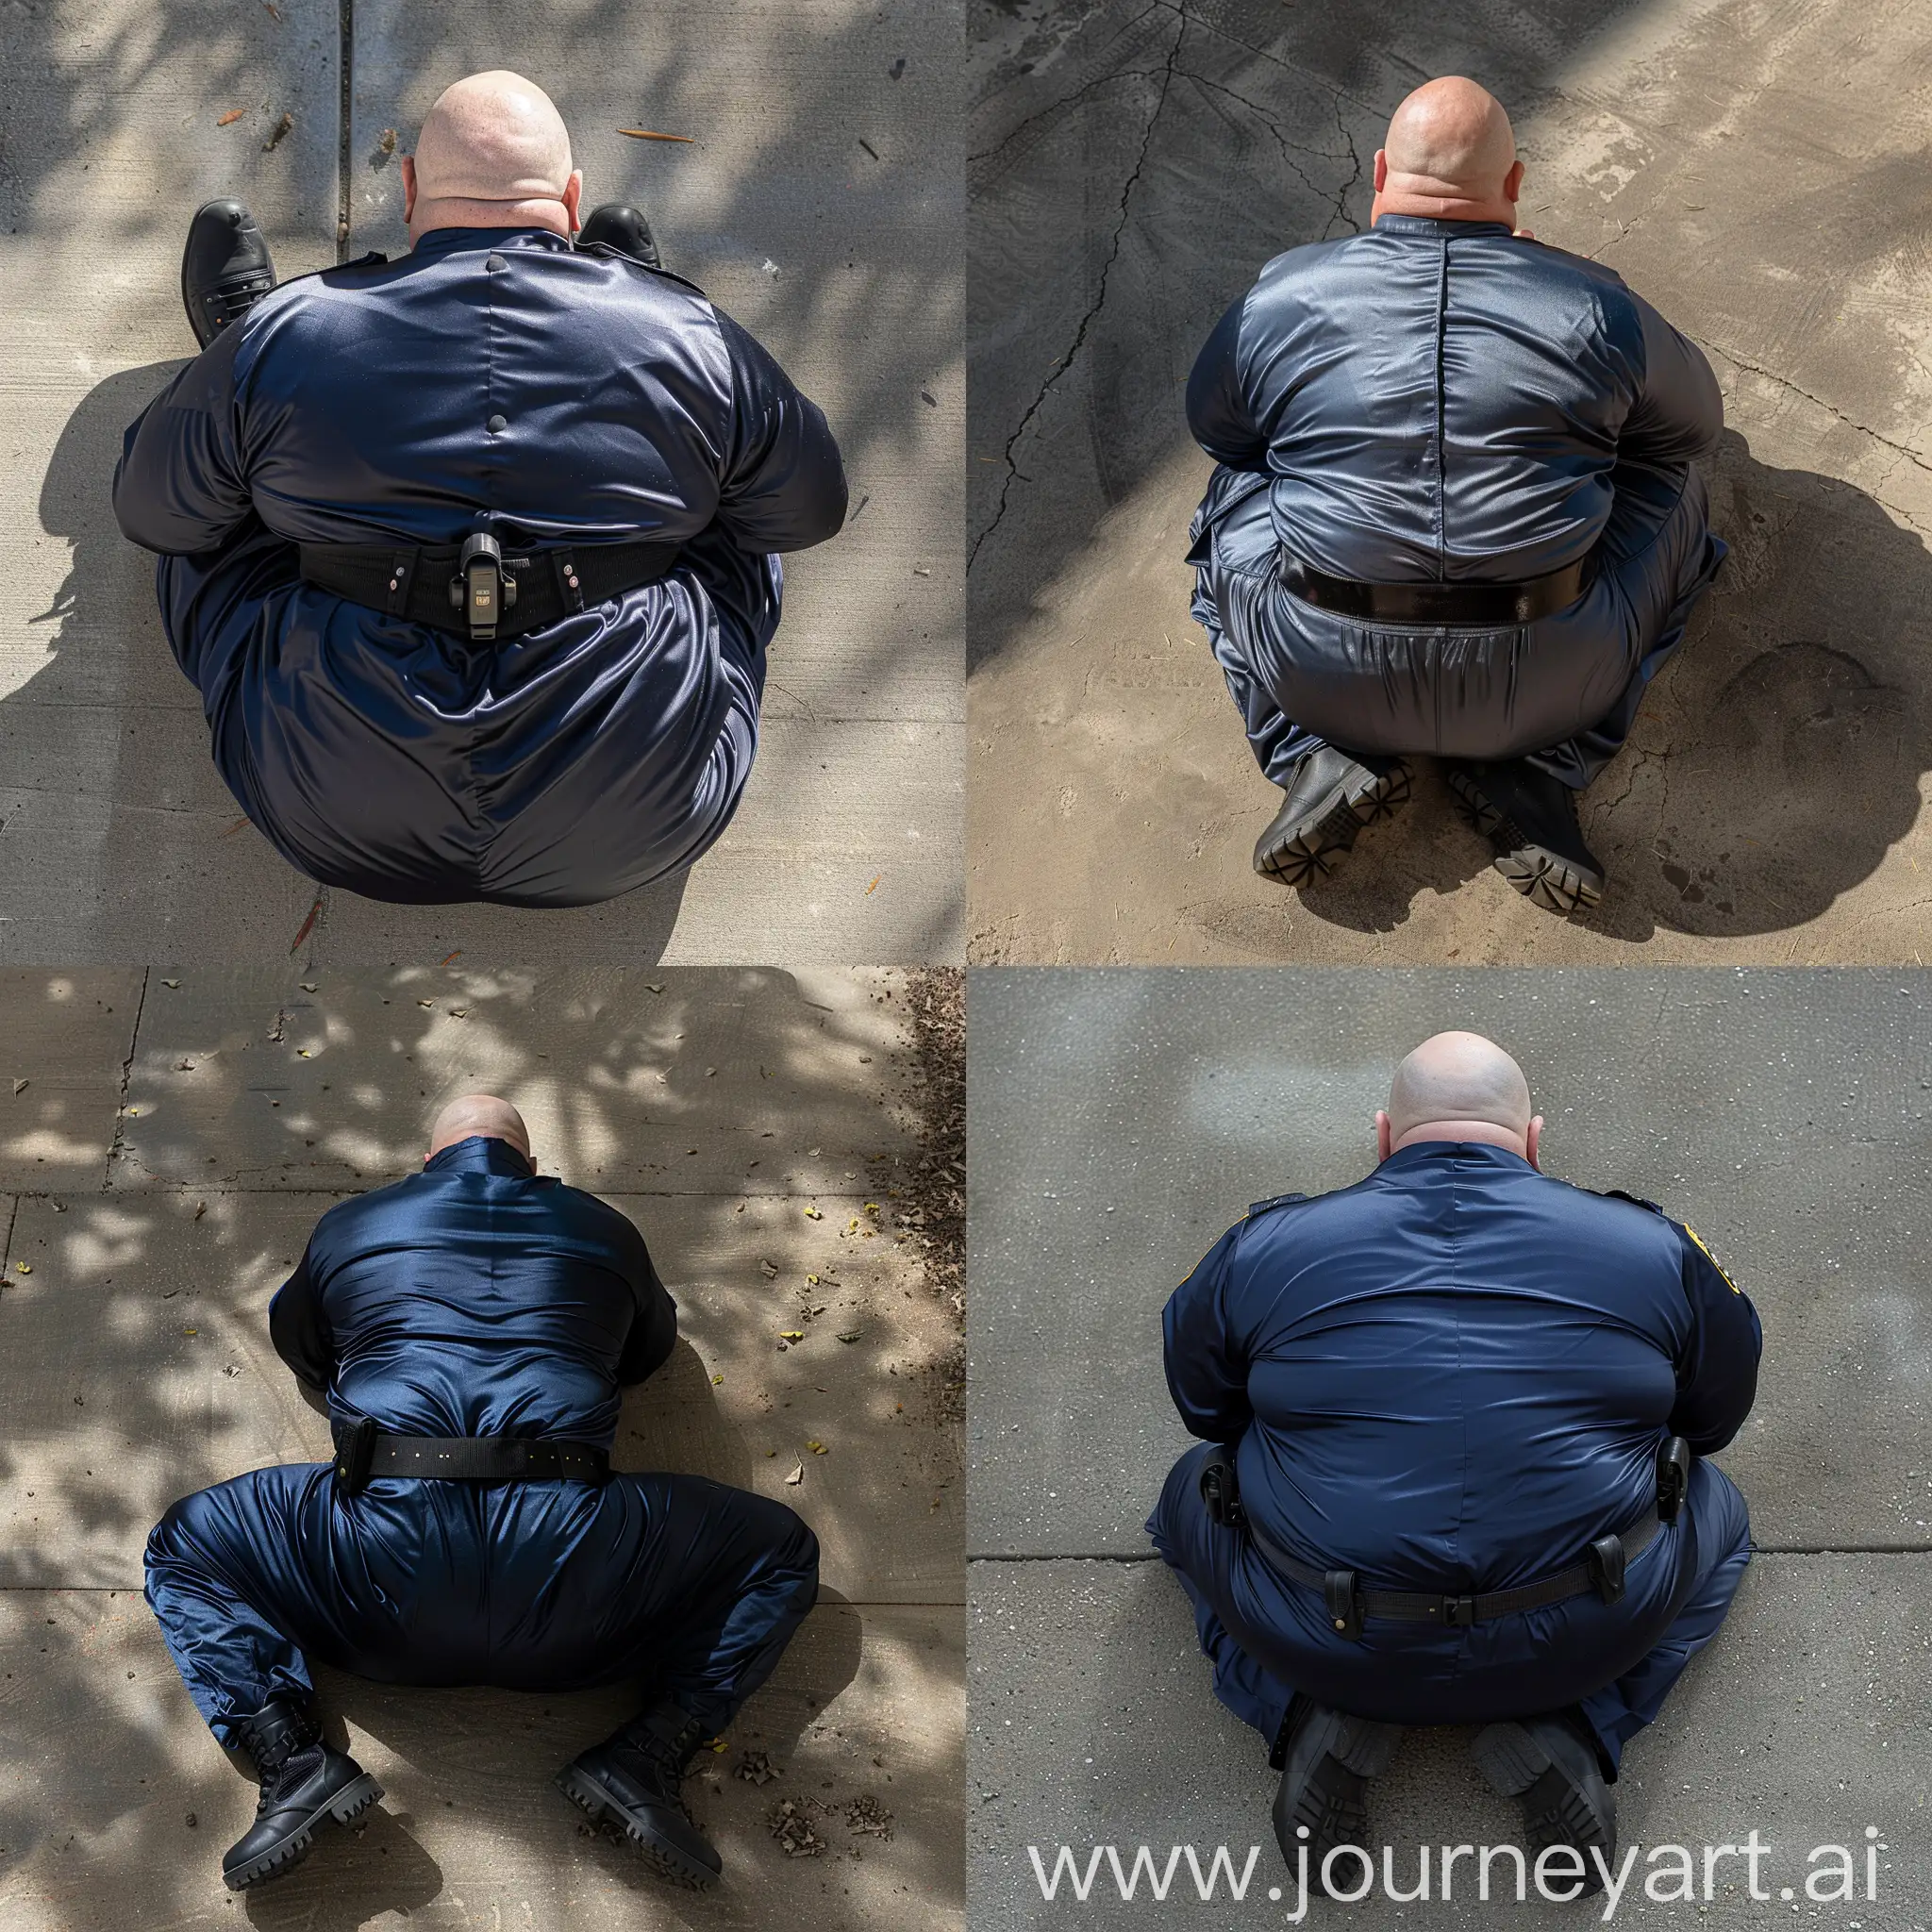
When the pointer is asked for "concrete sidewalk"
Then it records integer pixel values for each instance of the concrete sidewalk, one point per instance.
(1121, 1121)
(1753, 173)
(174, 1139)
(819, 204)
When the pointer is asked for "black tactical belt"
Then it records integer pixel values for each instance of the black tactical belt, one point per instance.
(363, 1451)
(1485, 606)
(474, 590)
(1601, 1570)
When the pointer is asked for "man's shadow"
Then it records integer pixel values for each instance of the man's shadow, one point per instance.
(495, 1751)
(1778, 757)
(110, 652)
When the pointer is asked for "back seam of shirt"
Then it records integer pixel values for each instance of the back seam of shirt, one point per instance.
(1442, 415)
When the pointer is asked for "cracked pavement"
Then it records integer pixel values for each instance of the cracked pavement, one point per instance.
(1132, 166)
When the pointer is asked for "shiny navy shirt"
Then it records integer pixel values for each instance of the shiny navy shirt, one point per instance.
(1443, 400)
(494, 379)
(474, 1299)
(1457, 1374)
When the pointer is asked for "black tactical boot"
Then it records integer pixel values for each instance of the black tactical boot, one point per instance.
(1328, 800)
(225, 268)
(303, 1783)
(615, 226)
(633, 1778)
(1551, 1763)
(1530, 818)
(1326, 1761)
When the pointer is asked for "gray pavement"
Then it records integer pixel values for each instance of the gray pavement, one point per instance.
(177, 1138)
(819, 203)
(1122, 1120)
(1132, 167)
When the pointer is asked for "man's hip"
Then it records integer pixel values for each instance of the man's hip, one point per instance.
(1454, 689)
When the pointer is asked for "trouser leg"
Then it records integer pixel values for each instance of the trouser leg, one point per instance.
(1659, 548)
(1622, 1707)
(226, 1572)
(1178, 1526)
(704, 1586)
(1234, 553)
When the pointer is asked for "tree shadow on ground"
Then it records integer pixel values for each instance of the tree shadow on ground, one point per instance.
(1778, 757)
(814, 218)
(714, 1107)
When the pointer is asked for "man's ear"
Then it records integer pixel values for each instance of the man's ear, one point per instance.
(1532, 1139)
(1382, 169)
(573, 196)
(1385, 1137)
(1512, 185)
(409, 186)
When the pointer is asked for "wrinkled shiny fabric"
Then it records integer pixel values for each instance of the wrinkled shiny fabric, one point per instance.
(1453, 1377)
(1442, 401)
(494, 380)
(476, 1299)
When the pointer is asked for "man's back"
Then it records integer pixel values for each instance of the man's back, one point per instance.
(499, 378)
(1457, 1371)
(1443, 399)
(474, 1299)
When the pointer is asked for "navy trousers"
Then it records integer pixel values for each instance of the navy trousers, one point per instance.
(560, 768)
(1561, 694)
(689, 1588)
(1568, 1656)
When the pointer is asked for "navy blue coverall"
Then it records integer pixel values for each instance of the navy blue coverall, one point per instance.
(1442, 401)
(494, 380)
(1453, 1377)
(476, 1299)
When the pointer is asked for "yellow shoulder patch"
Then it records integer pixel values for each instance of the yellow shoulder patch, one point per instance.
(1710, 1257)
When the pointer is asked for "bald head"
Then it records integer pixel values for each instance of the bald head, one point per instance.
(1459, 1087)
(494, 154)
(1450, 154)
(478, 1114)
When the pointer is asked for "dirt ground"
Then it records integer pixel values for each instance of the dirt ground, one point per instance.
(1757, 172)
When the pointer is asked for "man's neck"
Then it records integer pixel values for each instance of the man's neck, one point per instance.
(1485, 1133)
(1434, 208)
(453, 212)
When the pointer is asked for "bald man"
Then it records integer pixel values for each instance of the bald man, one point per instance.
(470, 1329)
(1456, 513)
(474, 555)
(1454, 1420)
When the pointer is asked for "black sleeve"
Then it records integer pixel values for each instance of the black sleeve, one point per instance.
(1207, 1370)
(179, 487)
(654, 1328)
(1218, 411)
(1717, 1374)
(1680, 411)
(299, 1328)
(783, 486)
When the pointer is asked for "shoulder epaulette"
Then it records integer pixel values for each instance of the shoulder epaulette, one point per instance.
(1275, 1201)
(1634, 1200)
(603, 252)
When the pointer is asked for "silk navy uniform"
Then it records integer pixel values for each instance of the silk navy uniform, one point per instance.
(560, 399)
(476, 1300)
(1454, 1377)
(1443, 402)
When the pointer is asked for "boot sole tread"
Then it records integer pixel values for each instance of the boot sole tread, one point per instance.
(669, 1864)
(1542, 877)
(1314, 851)
(349, 1803)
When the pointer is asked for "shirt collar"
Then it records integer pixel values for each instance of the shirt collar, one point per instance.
(452, 240)
(1437, 224)
(480, 1154)
(1462, 1152)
